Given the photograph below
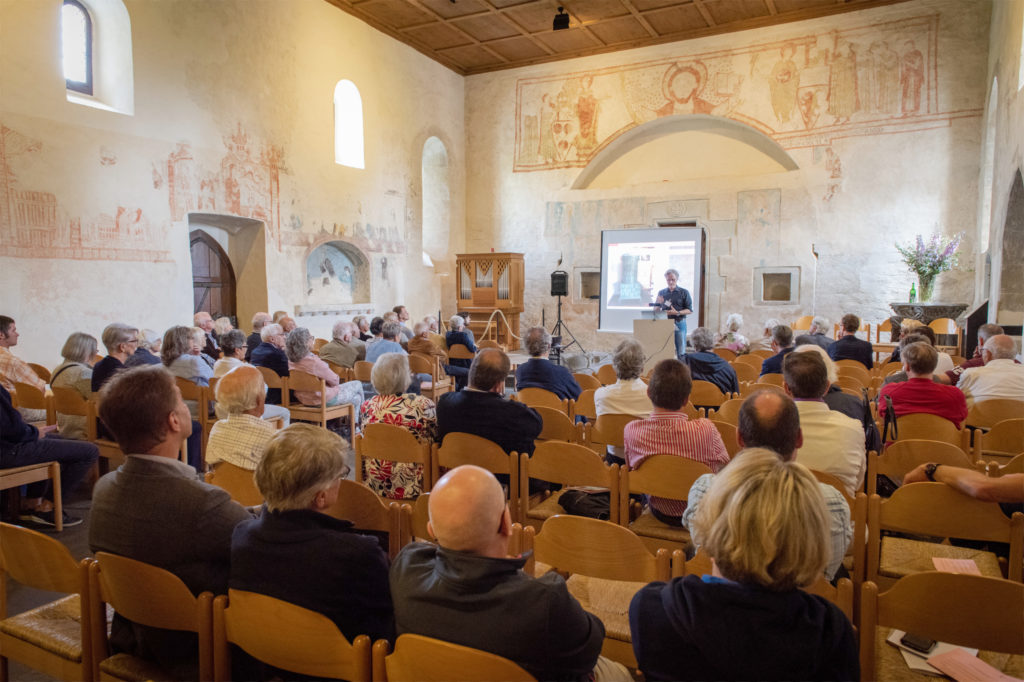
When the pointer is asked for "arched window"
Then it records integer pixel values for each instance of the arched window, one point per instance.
(436, 200)
(348, 125)
(76, 46)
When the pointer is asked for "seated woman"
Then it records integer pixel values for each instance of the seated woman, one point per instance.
(297, 553)
(765, 526)
(731, 337)
(178, 353)
(76, 373)
(628, 395)
(457, 333)
(148, 352)
(392, 405)
(299, 349)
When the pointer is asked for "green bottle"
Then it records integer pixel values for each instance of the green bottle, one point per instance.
(913, 293)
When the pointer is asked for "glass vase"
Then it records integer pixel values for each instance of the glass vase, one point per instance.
(925, 287)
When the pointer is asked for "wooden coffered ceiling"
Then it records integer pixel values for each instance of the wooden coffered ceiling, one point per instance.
(476, 36)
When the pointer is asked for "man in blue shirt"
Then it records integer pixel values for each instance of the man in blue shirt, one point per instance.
(391, 333)
(678, 303)
(539, 372)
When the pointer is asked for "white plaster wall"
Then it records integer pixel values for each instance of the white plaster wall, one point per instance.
(222, 89)
(893, 184)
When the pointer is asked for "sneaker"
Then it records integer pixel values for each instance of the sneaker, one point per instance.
(46, 518)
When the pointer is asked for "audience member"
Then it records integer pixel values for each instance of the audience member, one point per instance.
(771, 420)
(209, 346)
(764, 524)
(731, 337)
(628, 395)
(706, 366)
(668, 431)
(287, 324)
(196, 349)
(259, 321)
(270, 354)
(390, 342)
(154, 509)
(120, 340)
(376, 328)
(241, 436)
(816, 334)
(919, 393)
(176, 354)
(278, 316)
(75, 373)
(421, 344)
(465, 315)
(221, 326)
(782, 344)
(295, 551)
(1000, 377)
(765, 342)
(832, 442)
(907, 326)
(467, 590)
(905, 340)
(1007, 489)
(393, 405)
(458, 333)
(840, 401)
(148, 350)
(343, 349)
(849, 347)
(363, 325)
(299, 348)
(539, 372)
(233, 349)
(13, 368)
(434, 332)
(985, 332)
(21, 445)
(403, 317)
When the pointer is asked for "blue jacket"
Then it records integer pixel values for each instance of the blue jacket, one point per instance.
(542, 373)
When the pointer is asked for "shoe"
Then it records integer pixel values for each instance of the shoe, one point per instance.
(46, 518)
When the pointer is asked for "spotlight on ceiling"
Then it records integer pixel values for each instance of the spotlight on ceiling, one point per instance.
(561, 21)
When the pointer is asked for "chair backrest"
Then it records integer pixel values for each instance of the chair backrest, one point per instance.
(557, 425)
(804, 322)
(271, 378)
(540, 397)
(730, 436)
(68, 401)
(38, 561)
(586, 380)
(750, 389)
(344, 373)
(286, 636)
(728, 412)
(667, 476)
(238, 483)
(299, 380)
(599, 549)
(570, 465)
(318, 344)
(606, 375)
(707, 393)
(147, 594)
(368, 511)
(921, 426)
(967, 610)
(392, 443)
(726, 354)
(30, 397)
(746, 373)
(40, 371)
(832, 480)
(884, 326)
(459, 351)
(762, 353)
(361, 370)
(464, 448)
(904, 455)
(422, 364)
(773, 378)
(608, 429)
(422, 659)
(943, 325)
(585, 406)
(851, 383)
(1014, 466)
(988, 413)
(1005, 437)
(890, 368)
(750, 359)
(415, 517)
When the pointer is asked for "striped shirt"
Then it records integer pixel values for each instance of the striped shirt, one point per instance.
(672, 433)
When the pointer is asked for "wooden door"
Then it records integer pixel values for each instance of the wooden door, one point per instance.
(213, 279)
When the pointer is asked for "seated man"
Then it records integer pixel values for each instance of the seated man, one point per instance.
(628, 395)
(832, 442)
(270, 354)
(771, 420)
(905, 340)
(21, 445)
(435, 337)
(782, 344)
(288, 324)
(539, 372)
(403, 317)
(1000, 377)
(849, 347)
(203, 320)
(297, 553)
(668, 431)
(259, 321)
(241, 437)
(1007, 490)
(154, 509)
(390, 342)
(458, 333)
(920, 393)
(421, 344)
(985, 332)
(706, 366)
(816, 334)
(344, 349)
(467, 590)
(13, 368)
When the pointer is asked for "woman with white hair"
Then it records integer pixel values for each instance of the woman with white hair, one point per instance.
(765, 526)
(148, 352)
(392, 405)
(75, 373)
(731, 337)
(457, 333)
(765, 342)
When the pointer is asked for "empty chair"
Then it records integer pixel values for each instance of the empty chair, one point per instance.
(803, 322)
(608, 429)
(988, 413)
(1005, 439)
(40, 371)
(728, 412)
(749, 359)
(905, 455)
(569, 465)
(855, 369)
(746, 373)
(749, 389)
(921, 426)
(945, 326)
(423, 659)
(238, 483)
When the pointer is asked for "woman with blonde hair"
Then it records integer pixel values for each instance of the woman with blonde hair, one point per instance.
(765, 526)
(75, 373)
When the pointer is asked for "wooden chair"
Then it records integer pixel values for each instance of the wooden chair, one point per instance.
(745, 373)
(608, 430)
(584, 406)
(40, 371)
(238, 483)
(905, 455)
(1004, 439)
(707, 394)
(70, 402)
(569, 465)
(958, 359)
(725, 353)
(539, 397)
(361, 371)
(764, 354)
(749, 389)
(319, 414)
(750, 359)
(146, 595)
(606, 375)
(367, 511)
(464, 448)
(344, 373)
(415, 517)
(32, 398)
(201, 395)
(889, 369)
(392, 443)
(607, 564)
(938, 510)
(55, 637)
(728, 412)
(945, 326)
(886, 327)
(663, 476)
(988, 413)
(422, 659)
(772, 378)
(488, 343)
(318, 344)
(803, 323)
(921, 426)
(558, 427)
(855, 369)
(285, 636)
(439, 382)
(967, 610)
(15, 477)
(586, 380)
(730, 436)
(1014, 466)
(459, 351)
(849, 383)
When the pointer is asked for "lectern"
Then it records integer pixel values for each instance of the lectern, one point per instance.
(658, 337)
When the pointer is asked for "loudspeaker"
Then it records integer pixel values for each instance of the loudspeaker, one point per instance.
(559, 283)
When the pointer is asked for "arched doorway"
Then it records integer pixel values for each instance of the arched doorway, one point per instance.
(213, 278)
(1011, 282)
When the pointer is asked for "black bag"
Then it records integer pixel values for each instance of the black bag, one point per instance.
(890, 422)
(595, 505)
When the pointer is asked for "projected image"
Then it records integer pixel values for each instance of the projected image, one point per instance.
(636, 271)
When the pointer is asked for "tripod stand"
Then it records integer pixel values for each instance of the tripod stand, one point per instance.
(561, 330)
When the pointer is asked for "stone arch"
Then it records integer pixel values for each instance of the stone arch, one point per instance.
(668, 125)
(1010, 305)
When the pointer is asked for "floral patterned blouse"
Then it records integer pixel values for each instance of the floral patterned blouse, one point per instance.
(735, 342)
(399, 480)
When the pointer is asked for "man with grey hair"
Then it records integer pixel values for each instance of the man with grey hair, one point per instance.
(919, 393)
(816, 334)
(390, 342)
(1000, 377)
(985, 332)
(259, 321)
(539, 372)
(434, 332)
(467, 590)
(706, 366)
(203, 320)
(270, 354)
(676, 300)
(628, 395)
(765, 342)
(343, 349)
(241, 436)
(782, 344)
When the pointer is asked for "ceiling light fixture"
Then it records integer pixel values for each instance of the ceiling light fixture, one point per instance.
(561, 21)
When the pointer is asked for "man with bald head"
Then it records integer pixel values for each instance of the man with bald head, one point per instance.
(1000, 377)
(769, 419)
(203, 320)
(344, 349)
(467, 590)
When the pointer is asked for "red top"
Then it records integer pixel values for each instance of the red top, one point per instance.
(924, 395)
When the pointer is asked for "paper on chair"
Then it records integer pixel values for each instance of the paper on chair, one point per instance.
(963, 667)
(963, 566)
(918, 662)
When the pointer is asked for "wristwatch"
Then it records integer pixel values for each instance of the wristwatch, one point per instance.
(929, 470)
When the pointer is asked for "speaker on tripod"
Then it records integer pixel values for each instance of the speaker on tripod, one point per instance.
(559, 283)
(560, 288)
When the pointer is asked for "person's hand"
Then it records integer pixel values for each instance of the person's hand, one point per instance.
(43, 430)
(916, 476)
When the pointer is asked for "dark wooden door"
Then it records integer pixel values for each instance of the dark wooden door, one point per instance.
(213, 279)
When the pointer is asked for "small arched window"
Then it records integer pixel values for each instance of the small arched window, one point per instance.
(348, 125)
(76, 46)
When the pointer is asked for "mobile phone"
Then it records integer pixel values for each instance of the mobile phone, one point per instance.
(917, 642)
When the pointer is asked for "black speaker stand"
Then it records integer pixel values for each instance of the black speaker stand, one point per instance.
(561, 329)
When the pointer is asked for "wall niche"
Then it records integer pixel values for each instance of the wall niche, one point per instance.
(337, 273)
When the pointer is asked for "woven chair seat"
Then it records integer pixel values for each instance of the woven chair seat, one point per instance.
(902, 556)
(889, 663)
(647, 524)
(128, 667)
(608, 600)
(54, 627)
(548, 507)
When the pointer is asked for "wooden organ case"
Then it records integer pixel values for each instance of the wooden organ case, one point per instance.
(488, 282)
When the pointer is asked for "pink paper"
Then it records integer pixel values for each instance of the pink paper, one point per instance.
(964, 566)
(963, 667)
